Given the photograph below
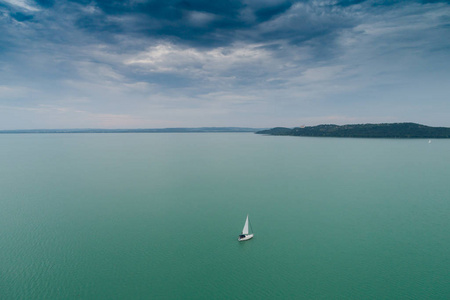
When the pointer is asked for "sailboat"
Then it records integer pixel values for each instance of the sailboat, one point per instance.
(245, 232)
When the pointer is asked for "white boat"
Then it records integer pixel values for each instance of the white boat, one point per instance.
(246, 233)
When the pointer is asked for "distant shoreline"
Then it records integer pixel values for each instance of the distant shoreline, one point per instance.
(144, 130)
(384, 130)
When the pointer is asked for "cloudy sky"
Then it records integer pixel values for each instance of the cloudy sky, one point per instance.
(249, 63)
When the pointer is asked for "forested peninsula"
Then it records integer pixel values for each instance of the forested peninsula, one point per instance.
(385, 130)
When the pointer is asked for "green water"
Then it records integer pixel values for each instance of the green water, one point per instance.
(156, 216)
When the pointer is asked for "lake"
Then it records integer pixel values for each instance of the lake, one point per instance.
(157, 216)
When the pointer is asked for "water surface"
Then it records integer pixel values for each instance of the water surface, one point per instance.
(147, 216)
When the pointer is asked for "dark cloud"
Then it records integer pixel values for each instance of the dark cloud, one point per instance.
(169, 9)
(350, 2)
(434, 1)
(268, 13)
(198, 22)
(45, 3)
(21, 17)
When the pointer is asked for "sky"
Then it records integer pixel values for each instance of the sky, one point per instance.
(242, 63)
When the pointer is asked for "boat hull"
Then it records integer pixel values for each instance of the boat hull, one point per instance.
(247, 237)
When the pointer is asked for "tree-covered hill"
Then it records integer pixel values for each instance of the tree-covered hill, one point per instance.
(385, 130)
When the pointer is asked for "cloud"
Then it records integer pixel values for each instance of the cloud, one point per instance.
(171, 58)
(205, 23)
(14, 92)
(75, 116)
(248, 61)
(200, 19)
(22, 4)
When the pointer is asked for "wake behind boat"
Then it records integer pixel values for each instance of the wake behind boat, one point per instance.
(247, 233)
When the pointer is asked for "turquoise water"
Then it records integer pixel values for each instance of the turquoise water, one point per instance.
(156, 216)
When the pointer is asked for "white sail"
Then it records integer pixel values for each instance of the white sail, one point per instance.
(245, 230)
(246, 235)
